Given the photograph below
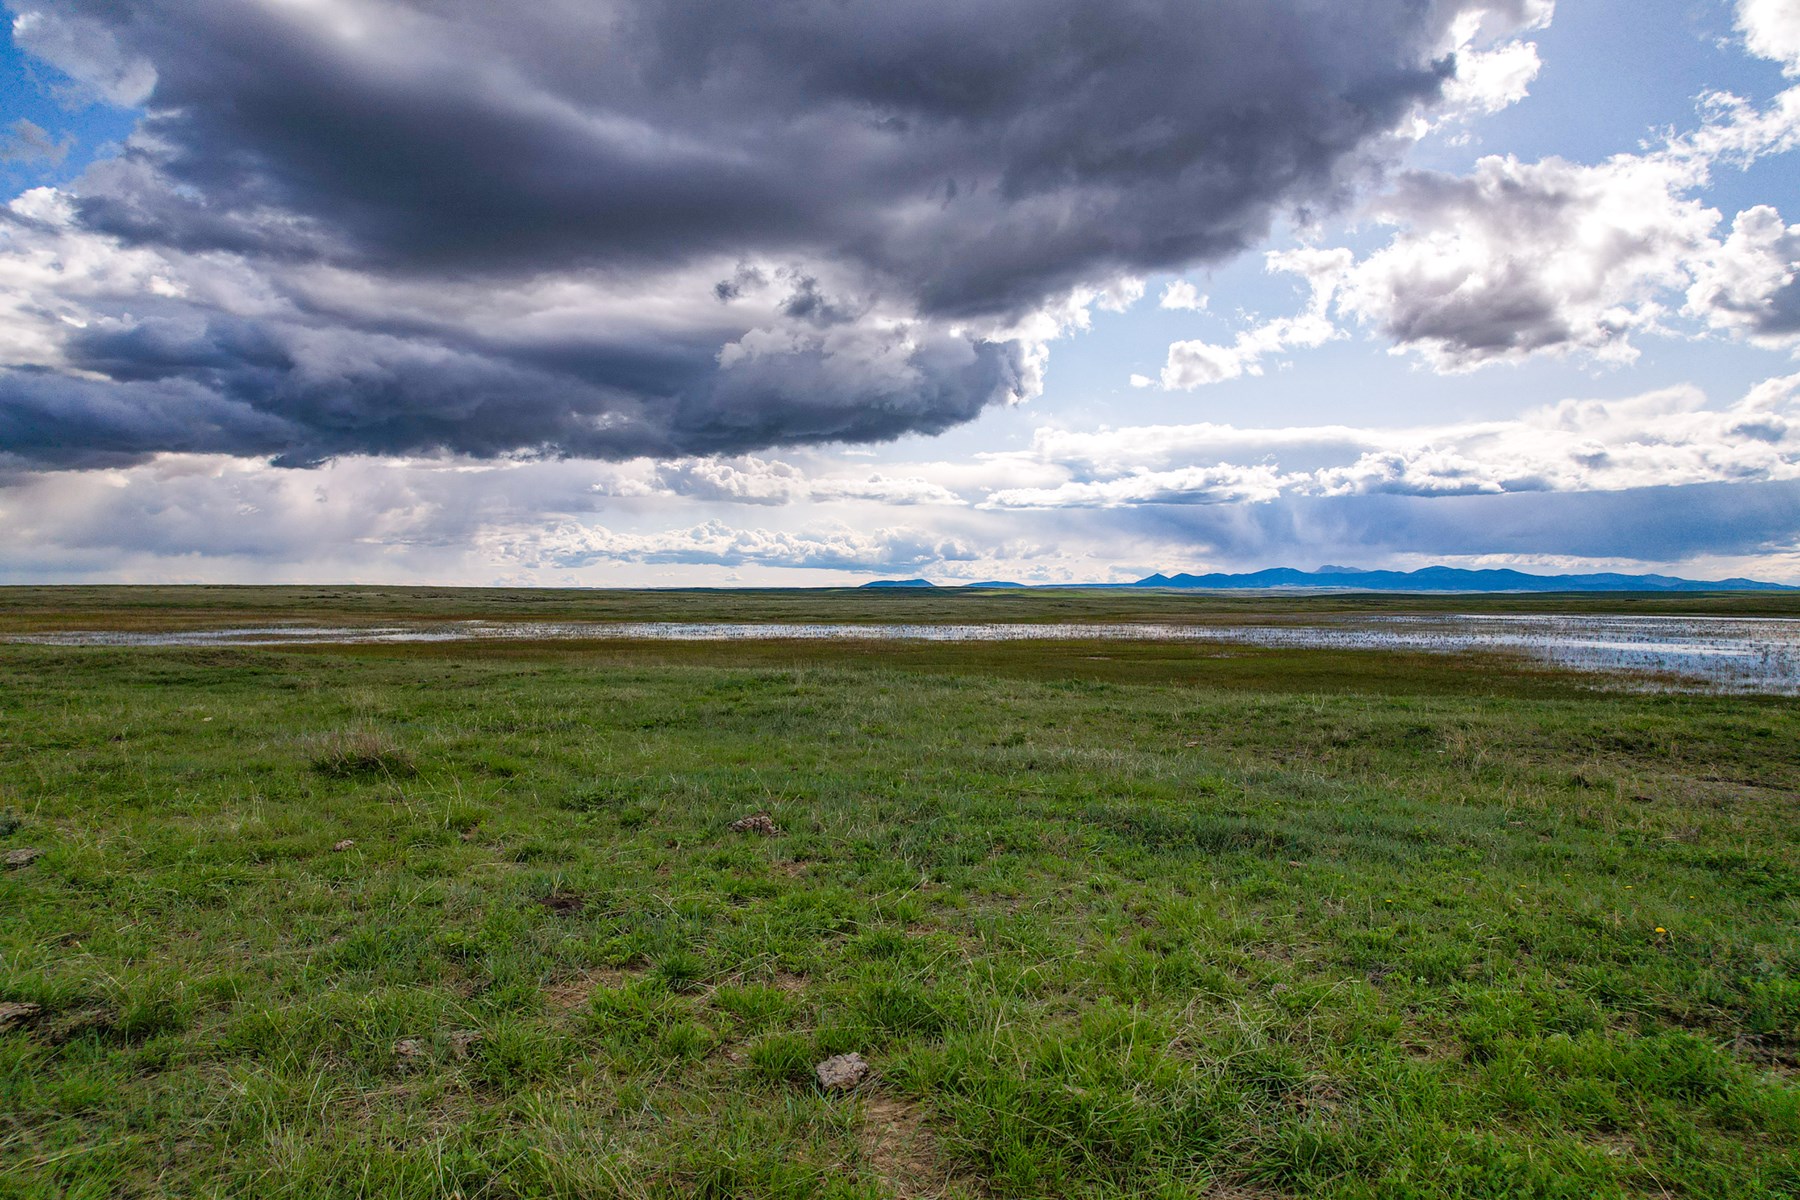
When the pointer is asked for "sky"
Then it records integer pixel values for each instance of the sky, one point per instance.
(669, 293)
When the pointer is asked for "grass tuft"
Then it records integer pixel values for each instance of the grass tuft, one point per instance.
(361, 754)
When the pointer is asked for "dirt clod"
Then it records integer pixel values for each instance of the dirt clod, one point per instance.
(841, 1072)
(563, 904)
(463, 1042)
(409, 1049)
(758, 822)
(24, 856)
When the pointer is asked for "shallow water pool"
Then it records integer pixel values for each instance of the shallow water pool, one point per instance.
(1738, 654)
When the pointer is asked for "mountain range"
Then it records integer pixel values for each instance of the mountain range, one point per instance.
(1426, 579)
(1452, 579)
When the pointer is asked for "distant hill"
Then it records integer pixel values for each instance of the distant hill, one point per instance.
(994, 583)
(1452, 579)
(899, 583)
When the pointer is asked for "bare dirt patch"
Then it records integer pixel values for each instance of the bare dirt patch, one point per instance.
(789, 982)
(899, 1147)
(1244, 1191)
(565, 995)
(563, 904)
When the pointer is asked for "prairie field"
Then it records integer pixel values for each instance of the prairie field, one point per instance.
(467, 919)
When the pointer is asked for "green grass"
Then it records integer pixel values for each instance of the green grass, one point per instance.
(1158, 923)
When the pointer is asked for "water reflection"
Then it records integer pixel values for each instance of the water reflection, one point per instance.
(1713, 653)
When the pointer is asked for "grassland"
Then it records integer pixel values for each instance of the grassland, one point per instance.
(1106, 919)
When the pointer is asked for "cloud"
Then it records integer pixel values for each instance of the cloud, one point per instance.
(196, 509)
(1193, 363)
(718, 544)
(1487, 81)
(1517, 259)
(1221, 484)
(109, 339)
(1645, 528)
(656, 228)
(1659, 439)
(987, 169)
(1751, 282)
(1110, 452)
(749, 481)
(1182, 295)
(1662, 439)
(771, 482)
(1654, 524)
(883, 489)
(1651, 481)
(24, 141)
(85, 49)
(1493, 69)
(1771, 30)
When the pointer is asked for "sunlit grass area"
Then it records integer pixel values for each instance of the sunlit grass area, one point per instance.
(1104, 920)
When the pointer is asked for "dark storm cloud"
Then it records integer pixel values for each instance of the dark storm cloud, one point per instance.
(946, 161)
(1782, 315)
(208, 383)
(1647, 524)
(49, 419)
(984, 154)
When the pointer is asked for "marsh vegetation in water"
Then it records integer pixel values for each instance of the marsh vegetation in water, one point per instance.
(1750, 654)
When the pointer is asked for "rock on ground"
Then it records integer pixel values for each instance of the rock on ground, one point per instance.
(841, 1072)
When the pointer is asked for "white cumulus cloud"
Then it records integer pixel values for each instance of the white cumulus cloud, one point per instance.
(1749, 283)
(1666, 438)
(1194, 363)
(834, 547)
(1517, 259)
(1772, 30)
(1182, 295)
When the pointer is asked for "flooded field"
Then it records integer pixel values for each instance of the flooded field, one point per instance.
(1736, 654)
